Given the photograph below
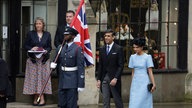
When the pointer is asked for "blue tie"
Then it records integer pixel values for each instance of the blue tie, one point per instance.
(107, 49)
(66, 46)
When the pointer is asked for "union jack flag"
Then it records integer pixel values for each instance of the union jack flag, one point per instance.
(80, 24)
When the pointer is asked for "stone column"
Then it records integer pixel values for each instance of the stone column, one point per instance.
(188, 79)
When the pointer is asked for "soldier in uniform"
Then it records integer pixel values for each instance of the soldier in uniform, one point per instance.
(71, 70)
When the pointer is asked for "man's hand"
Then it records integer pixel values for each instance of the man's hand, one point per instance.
(80, 89)
(98, 84)
(53, 65)
(113, 82)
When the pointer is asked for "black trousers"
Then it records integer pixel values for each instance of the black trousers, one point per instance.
(3, 102)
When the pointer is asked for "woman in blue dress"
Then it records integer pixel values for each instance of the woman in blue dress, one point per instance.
(142, 74)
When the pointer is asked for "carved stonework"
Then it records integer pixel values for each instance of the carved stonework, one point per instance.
(188, 87)
(89, 12)
(139, 3)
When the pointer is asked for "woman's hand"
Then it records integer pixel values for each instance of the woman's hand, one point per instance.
(45, 51)
(34, 48)
(153, 88)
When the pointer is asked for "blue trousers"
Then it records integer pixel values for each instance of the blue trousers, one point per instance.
(68, 98)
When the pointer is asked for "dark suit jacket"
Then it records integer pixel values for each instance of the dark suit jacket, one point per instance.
(33, 40)
(59, 36)
(5, 87)
(112, 63)
(71, 57)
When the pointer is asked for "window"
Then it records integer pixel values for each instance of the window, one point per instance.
(155, 20)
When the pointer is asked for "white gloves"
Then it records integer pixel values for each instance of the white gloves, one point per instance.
(53, 65)
(80, 89)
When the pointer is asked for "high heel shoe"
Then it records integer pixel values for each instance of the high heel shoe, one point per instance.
(41, 104)
(35, 104)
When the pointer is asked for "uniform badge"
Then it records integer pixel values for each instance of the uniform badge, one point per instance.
(82, 76)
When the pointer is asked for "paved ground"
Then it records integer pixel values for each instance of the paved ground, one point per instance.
(156, 105)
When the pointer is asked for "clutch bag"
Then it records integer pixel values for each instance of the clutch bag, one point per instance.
(39, 50)
(149, 86)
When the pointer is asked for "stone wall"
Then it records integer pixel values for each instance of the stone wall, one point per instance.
(188, 84)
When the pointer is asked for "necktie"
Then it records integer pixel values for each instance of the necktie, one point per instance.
(107, 49)
(66, 46)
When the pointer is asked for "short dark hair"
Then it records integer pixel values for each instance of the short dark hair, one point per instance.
(71, 11)
(139, 42)
(110, 31)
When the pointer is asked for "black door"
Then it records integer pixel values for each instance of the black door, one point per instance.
(9, 37)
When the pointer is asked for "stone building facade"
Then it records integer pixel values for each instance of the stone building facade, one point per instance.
(173, 76)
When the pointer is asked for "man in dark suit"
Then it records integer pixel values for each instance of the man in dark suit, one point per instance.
(110, 68)
(60, 30)
(71, 70)
(4, 85)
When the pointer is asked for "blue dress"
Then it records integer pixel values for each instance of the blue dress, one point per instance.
(140, 97)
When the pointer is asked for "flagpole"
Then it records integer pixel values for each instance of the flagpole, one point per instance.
(43, 88)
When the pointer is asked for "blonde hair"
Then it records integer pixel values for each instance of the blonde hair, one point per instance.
(40, 19)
